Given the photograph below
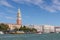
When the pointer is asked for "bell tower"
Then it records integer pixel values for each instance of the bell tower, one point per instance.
(19, 22)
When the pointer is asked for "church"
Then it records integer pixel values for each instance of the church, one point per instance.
(18, 21)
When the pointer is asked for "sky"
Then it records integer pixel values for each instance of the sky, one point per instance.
(37, 12)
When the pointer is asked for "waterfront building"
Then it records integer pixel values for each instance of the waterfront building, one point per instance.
(48, 28)
(30, 26)
(39, 28)
(57, 29)
(43, 28)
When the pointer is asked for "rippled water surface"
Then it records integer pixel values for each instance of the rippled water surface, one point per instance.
(51, 36)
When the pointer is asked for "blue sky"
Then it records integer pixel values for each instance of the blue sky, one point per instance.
(39, 12)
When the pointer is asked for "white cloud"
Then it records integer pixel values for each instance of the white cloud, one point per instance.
(57, 2)
(3, 15)
(53, 7)
(5, 3)
(8, 17)
(11, 11)
(28, 1)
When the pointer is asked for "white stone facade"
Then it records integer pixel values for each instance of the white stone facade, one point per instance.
(48, 28)
(39, 28)
(13, 26)
(57, 29)
(43, 28)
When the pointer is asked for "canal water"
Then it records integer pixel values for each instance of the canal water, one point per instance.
(50, 36)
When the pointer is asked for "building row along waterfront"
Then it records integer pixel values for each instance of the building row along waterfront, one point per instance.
(45, 28)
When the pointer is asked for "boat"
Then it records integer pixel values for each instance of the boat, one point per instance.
(1, 32)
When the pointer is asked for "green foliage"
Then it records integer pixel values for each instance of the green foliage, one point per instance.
(16, 29)
(4, 27)
(26, 29)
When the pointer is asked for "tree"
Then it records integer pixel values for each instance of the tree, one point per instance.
(21, 28)
(4, 27)
(27, 29)
(34, 30)
(16, 29)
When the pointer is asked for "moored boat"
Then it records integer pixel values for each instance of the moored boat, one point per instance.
(1, 32)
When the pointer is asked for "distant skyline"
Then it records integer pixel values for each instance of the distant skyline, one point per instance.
(39, 12)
